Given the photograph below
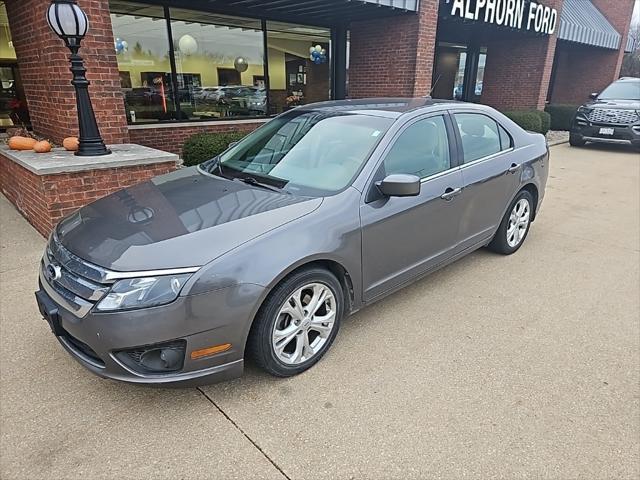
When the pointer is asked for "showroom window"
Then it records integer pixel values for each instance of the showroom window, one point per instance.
(142, 52)
(219, 65)
(299, 65)
(184, 65)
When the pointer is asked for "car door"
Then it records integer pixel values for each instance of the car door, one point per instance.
(490, 173)
(403, 237)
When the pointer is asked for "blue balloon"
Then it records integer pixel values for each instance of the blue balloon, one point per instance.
(315, 54)
(317, 61)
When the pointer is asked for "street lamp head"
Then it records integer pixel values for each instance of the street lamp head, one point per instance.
(68, 21)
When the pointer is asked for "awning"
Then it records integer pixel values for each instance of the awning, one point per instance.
(582, 22)
(315, 11)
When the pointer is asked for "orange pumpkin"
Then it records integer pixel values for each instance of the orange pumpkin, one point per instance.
(70, 143)
(42, 147)
(22, 143)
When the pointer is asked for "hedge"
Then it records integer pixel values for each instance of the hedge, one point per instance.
(204, 146)
(561, 115)
(527, 119)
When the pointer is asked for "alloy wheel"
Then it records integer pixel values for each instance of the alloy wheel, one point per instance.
(304, 323)
(518, 222)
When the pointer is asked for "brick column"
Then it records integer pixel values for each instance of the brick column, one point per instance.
(518, 68)
(393, 56)
(44, 68)
(582, 69)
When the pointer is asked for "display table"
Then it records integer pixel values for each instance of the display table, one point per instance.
(45, 187)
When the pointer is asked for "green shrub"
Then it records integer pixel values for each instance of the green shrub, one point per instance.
(203, 146)
(545, 120)
(561, 115)
(527, 119)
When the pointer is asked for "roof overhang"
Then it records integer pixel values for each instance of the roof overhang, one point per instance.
(312, 12)
(581, 22)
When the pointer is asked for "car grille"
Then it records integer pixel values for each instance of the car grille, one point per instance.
(71, 281)
(615, 117)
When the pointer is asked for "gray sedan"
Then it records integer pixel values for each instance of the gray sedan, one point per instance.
(261, 252)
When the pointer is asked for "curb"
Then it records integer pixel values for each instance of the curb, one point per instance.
(558, 142)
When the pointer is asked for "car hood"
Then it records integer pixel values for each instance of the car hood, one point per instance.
(184, 219)
(615, 104)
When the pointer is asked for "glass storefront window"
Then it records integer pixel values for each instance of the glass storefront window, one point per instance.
(142, 51)
(299, 65)
(184, 65)
(13, 105)
(219, 65)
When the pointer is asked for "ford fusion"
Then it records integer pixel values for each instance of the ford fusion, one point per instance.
(262, 251)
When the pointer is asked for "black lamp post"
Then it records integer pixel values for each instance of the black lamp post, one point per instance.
(71, 24)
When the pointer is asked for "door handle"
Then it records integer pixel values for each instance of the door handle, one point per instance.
(449, 193)
(514, 168)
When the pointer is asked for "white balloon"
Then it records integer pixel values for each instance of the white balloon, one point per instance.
(187, 45)
(312, 49)
(323, 52)
(318, 48)
(125, 45)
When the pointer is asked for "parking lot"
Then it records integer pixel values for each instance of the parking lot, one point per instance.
(512, 367)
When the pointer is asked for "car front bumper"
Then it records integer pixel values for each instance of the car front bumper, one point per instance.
(592, 132)
(98, 340)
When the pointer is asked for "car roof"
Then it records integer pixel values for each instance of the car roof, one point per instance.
(381, 107)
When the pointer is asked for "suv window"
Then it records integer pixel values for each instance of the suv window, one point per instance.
(481, 136)
(422, 149)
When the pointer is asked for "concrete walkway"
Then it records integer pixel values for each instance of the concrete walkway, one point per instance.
(512, 367)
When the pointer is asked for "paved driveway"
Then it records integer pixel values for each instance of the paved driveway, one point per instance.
(521, 366)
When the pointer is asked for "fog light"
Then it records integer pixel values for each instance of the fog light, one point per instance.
(158, 358)
(161, 359)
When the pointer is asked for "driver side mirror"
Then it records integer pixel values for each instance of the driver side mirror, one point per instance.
(594, 96)
(399, 185)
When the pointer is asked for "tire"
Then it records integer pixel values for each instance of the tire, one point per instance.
(576, 141)
(503, 240)
(271, 322)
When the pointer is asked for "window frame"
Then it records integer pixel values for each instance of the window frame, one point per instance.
(167, 5)
(458, 136)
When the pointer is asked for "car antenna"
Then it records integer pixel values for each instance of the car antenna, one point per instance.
(435, 84)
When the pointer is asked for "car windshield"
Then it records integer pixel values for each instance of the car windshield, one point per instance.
(312, 153)
(621, 91)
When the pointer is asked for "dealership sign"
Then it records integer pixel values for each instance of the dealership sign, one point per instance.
(520, 14)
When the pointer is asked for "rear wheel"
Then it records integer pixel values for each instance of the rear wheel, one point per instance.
(514, 228)
(576, 141)
(297, 323)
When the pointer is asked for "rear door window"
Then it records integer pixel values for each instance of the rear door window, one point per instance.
(480, 135)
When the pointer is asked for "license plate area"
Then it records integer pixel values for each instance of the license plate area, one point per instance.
(606, 131)
(49, 312)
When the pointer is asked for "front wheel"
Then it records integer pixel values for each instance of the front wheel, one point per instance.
(297, 323)
(515, 225)
(576, 141)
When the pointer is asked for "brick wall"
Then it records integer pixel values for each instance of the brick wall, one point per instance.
(44, 199)
(518, 68)
(393, 56)
(172, 138)
(44, 68)
(619, 13)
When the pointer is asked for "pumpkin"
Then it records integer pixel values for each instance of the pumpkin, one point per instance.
(22, 143)
(70, 143)
(42, 147)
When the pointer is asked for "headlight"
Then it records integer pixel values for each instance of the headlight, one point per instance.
(143, 292)
(585, 110)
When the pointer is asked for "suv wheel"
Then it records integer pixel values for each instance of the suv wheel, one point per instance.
(576, 141)
(297, 323)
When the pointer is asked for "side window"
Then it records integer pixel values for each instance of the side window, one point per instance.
(479, 134)
(421, 150)
(505, 139)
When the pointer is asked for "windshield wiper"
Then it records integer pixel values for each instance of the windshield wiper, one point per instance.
(256, 183)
